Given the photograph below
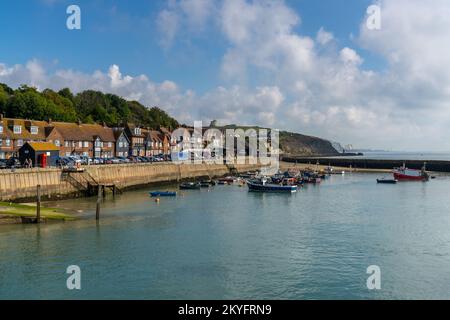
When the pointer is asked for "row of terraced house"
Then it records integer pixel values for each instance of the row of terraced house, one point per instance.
(91, 140)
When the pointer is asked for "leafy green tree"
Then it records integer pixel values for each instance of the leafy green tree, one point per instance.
(66, 93)
(65, 110)
(4, 96)
(88, 106)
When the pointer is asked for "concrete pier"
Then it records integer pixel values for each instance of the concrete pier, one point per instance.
(56, 184)
(431, 165)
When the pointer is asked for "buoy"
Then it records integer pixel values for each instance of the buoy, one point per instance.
(157, 200)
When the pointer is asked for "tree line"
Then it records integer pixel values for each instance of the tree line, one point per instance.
(88, 107)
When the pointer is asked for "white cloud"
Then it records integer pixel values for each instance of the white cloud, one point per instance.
(296, 83)
(350, 56)
(183, 16)
(323, 37)
(168, 24)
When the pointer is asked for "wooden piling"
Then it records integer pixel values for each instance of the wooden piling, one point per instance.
(38, 204)
(99, 198)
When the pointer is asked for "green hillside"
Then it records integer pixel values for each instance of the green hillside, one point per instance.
(88, 106)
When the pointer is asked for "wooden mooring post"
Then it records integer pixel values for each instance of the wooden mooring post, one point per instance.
(99, 199)
(38, 204)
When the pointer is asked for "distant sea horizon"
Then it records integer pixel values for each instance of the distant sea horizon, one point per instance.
(401, 155)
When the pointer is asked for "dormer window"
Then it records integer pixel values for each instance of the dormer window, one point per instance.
(137, 131)
(17, 129)
(34, 130)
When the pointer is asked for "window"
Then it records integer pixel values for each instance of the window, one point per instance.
(66, 144)
(8, 142)
(1, 129)
(86, 144)
(86, 154)
(137, 131)
(1, 142)
(57, 143)
(109, 144)
(80, 144)
(34, 130)
(120, 144)
(17, 129)
(19, 142)
(120, 154)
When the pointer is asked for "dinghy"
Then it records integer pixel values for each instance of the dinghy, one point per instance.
(155, 194)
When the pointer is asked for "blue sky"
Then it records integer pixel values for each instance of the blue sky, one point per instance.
(125, 33)
(307, 66)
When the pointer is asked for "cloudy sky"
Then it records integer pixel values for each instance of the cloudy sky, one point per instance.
(310, 66)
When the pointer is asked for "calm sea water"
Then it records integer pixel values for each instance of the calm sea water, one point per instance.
(231, 244)
(393, 155)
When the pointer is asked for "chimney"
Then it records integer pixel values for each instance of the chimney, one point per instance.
(104, 124)
(49, 120)
(1, 116)
(79, 122)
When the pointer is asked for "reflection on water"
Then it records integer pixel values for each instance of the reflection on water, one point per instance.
(226, 243)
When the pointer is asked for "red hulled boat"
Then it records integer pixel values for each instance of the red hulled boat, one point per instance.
(405, 174)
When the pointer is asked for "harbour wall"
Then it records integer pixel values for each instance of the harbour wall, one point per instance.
(21, 184)
(431, 165)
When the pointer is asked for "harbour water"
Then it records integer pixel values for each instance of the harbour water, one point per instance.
(227, 243)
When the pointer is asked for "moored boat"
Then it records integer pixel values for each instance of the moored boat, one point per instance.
(190, 186)
(155, 194)
(387, 181)
(262, 186)
(406, 174)
(227, 180)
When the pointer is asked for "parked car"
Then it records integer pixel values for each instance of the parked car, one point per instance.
(99, 161)
(13, 163)
(115, 160)
(65, 162)
(3, 164)
(85, 160)
(123, 160)
(75, 159)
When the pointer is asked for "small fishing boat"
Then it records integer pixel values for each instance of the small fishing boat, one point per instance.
(263, 186)
(155, 194)
(311, 178)
(406, 174)
(207, 183)
(387, 181)
(190, 186)
(227, 180)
